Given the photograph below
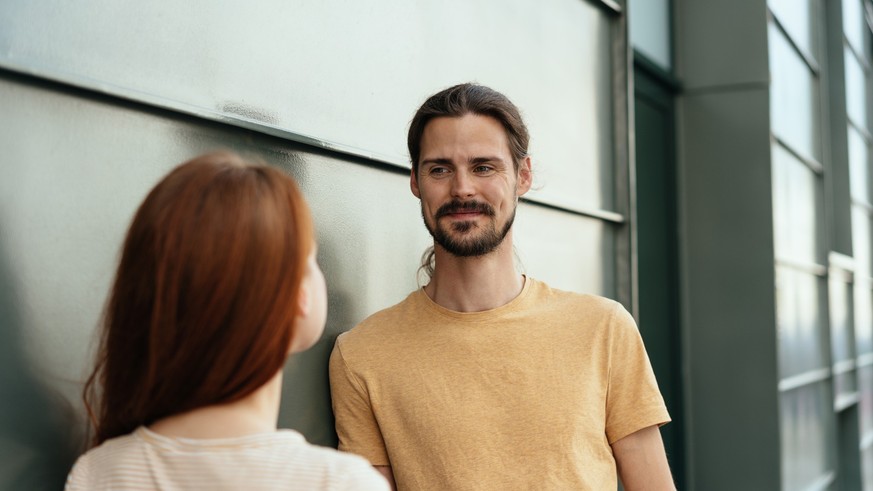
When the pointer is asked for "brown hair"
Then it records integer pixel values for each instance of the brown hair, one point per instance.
(465, 99)
(203, 305)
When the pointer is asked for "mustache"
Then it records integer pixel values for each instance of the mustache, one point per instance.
(457, 205)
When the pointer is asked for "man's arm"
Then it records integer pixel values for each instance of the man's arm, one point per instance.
(642, 462)
(388, 473)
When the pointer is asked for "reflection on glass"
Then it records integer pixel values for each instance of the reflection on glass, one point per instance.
(804, 419)
(841, 329)
(799, 322)
(796, 16)
(861, 241)
(865, 380)
(853, 23)
(856, 95)
(867, 466)
(794, 97)
(863, 316)
(795, 204)
(649, 22)
(858, 166)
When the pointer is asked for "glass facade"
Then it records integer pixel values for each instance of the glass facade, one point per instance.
(807, 383)
(808, 369)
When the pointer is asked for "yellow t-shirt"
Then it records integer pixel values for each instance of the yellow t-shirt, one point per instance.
(529, 395)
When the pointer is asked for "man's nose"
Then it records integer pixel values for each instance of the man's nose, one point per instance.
(462, 185)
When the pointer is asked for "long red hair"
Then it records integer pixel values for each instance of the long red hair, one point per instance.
(203, 305)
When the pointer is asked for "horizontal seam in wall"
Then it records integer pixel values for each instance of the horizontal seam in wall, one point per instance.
(725, 89)
(117, 94)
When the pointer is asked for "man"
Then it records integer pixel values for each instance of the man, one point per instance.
(486, 378)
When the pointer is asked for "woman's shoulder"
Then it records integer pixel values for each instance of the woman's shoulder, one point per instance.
(93, 463)
(335, 469)
(261, 461)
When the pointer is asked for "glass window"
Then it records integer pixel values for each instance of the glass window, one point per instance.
(856, 93)
(853, 23)
(649, 22)
(861, 248)
(799, 322)
(840, 307)
(799, 19)
(865, 381)
(858, 166)
(795, 204)
(863, 316)
(794, 97)
(806, 412)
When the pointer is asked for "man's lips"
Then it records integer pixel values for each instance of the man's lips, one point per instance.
(464, 214)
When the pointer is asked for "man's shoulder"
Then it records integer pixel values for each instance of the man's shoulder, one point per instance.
(382, 322)
(551, 298)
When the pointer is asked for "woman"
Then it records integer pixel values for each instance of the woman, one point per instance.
(217, 284)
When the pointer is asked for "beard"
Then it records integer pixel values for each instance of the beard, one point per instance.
(465, 242)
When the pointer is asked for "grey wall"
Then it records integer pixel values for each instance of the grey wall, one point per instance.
(726, 240)
(100, 99)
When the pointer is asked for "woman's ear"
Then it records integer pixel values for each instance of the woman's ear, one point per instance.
(303, 300)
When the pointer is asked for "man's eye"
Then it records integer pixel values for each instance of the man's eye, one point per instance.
(482, 169)
(436, 171)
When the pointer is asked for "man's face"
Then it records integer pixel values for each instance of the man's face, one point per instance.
(468, 184)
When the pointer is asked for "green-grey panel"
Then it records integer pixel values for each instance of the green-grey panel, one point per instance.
(721, 43)
(587, 246)
(76, 165)
(348, 75)
(728, 275)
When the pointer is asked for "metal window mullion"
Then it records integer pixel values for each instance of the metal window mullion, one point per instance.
(864, 205)
(859, 57)
(811, 163)
(807, 58)
(815, 269)
(865, 133)
(805, 379)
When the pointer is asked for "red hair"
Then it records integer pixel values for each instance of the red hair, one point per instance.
(203, 305)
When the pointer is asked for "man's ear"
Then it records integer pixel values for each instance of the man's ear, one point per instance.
(525, 177)
(413, 184)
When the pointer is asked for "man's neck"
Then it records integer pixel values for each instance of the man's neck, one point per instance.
(475, 284)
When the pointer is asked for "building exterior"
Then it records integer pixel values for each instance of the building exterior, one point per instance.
(774, 238)
(708, 167)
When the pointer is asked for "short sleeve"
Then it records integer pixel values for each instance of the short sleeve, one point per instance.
(633, 401)
(356, 424)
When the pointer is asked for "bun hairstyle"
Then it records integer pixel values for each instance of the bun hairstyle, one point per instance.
(203, 305)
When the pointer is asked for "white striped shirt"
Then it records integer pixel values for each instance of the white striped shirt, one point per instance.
(266, 461)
